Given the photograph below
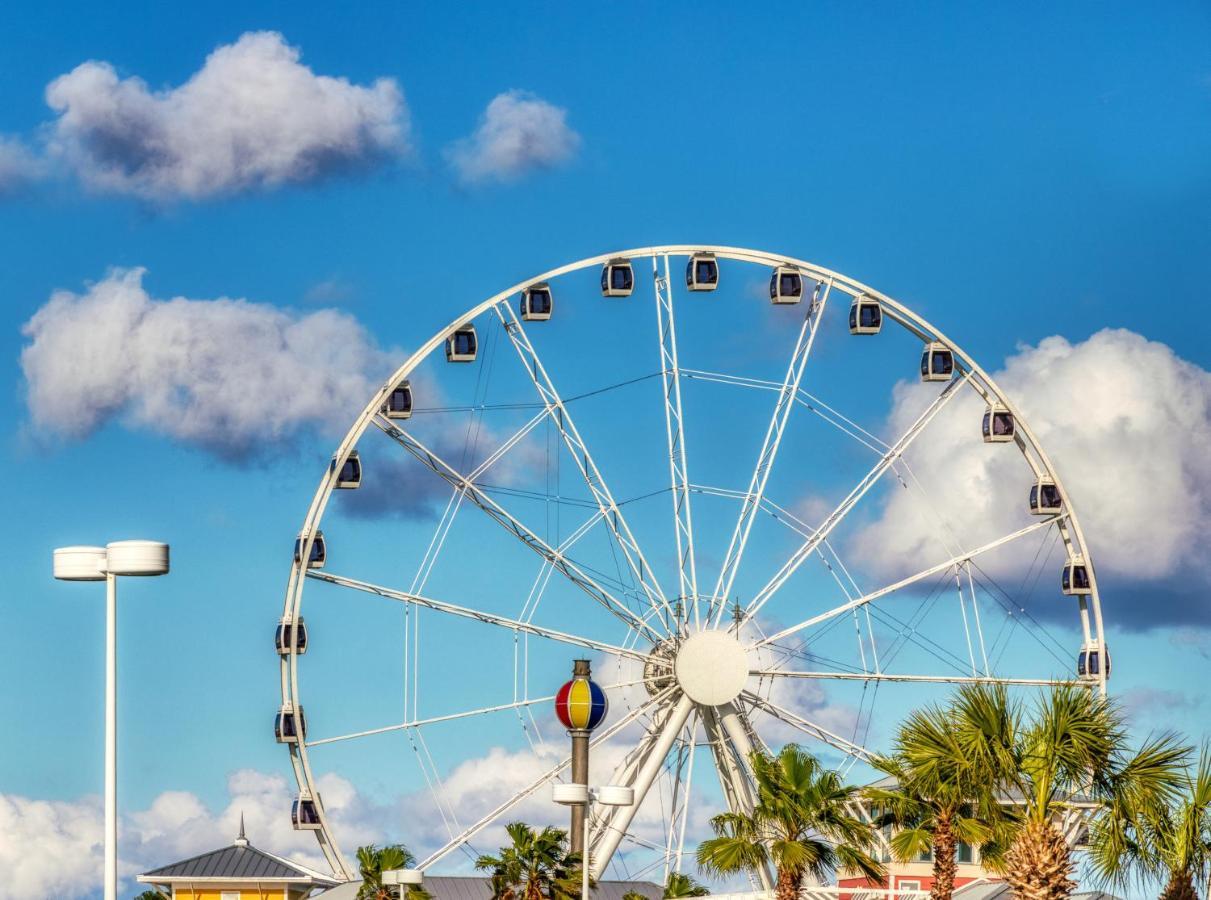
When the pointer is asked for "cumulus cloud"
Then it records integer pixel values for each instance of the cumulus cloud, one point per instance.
(518, 133)
(18, 165)
(252, 117)
(56, 849)
(1126, 422)
(235, 378)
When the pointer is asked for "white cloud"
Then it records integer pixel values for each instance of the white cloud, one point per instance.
(56, 849)
(236, 378)
(517, 134)
(252, 117)
(1127, 424)
(18, 165)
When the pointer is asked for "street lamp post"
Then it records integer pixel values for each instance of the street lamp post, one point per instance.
(138, 558)
(404, 879)
(586, 797)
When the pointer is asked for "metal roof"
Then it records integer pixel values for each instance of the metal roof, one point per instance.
(479, 887)
(236, 862)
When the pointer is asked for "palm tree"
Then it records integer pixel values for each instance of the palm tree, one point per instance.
(940, 798)
(536, 866)
(800, 824)
(1168, 839)
(151, 895)
(1072, 745)
(373, 861)
(680, 885)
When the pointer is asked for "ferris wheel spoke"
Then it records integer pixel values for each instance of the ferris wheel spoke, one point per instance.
(613, 829)
(837, 515)
(680, 806)
(558, 413)
(769, 452)
(451, 717)
(478, 615)
(929, 679)
(498, 514)
(905, 582)
(809, 728)
(670, 371)
(468, 833)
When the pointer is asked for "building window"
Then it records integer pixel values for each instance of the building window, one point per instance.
(905, 885)
(229, 895)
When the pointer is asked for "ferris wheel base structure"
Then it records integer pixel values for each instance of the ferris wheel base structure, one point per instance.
(699, 659)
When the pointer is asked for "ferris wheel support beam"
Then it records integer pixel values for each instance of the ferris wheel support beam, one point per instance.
(611, 835)
(478, 615)
(558, 413)
(837, 515)
(476, 495)
(769, 453)
(735, 773)
(670, 371)
(905, 582)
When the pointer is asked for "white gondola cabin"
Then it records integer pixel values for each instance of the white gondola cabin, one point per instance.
(399, 402)
(617, 278)
(305, 813)
(1074, 580)
(702, 272)
(785, 285)
(937, 362)
(350, 475)
(536, 303)
(285, 633)
(1090, 660)
(998, 424)
(865, 315)
(1045, 499)
(319, 552)
(462, 344)
(289, 726)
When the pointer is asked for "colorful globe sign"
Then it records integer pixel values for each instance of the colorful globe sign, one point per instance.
(581, 704)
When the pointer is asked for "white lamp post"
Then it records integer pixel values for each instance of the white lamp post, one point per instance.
(404, 879)
(583, 795)
(106, 564)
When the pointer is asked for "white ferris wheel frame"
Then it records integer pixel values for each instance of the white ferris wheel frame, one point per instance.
(728, 731)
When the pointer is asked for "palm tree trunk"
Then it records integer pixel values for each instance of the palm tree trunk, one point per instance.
(787, 887)
(1039, 865)
(943, 857)
(1180, 887)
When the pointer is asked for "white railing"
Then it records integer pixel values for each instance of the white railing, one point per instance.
(831, 891)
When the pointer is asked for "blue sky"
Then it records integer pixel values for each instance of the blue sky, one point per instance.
(1012, 177)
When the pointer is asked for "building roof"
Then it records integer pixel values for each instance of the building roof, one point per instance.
(999, 890)
(239, 862)
(479, 887)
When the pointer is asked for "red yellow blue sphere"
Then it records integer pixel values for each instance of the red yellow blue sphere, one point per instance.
(581, 705)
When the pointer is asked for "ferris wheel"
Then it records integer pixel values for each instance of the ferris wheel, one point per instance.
(672, 488)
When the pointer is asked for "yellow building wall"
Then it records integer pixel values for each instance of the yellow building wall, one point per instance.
(213, 893)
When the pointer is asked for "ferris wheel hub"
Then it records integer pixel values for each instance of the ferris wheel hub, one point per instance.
(712, 667)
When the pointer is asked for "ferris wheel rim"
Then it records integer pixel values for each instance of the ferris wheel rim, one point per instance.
(902, 314)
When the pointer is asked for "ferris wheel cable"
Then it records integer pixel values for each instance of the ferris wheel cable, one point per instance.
(1038, 632)
(545, 778)
(768, 454)
(807, 727)
(910, 631)
(911, 579)
(859, 491)
(803, 398)
(478, 615)
(558, 414)
(498, 514)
